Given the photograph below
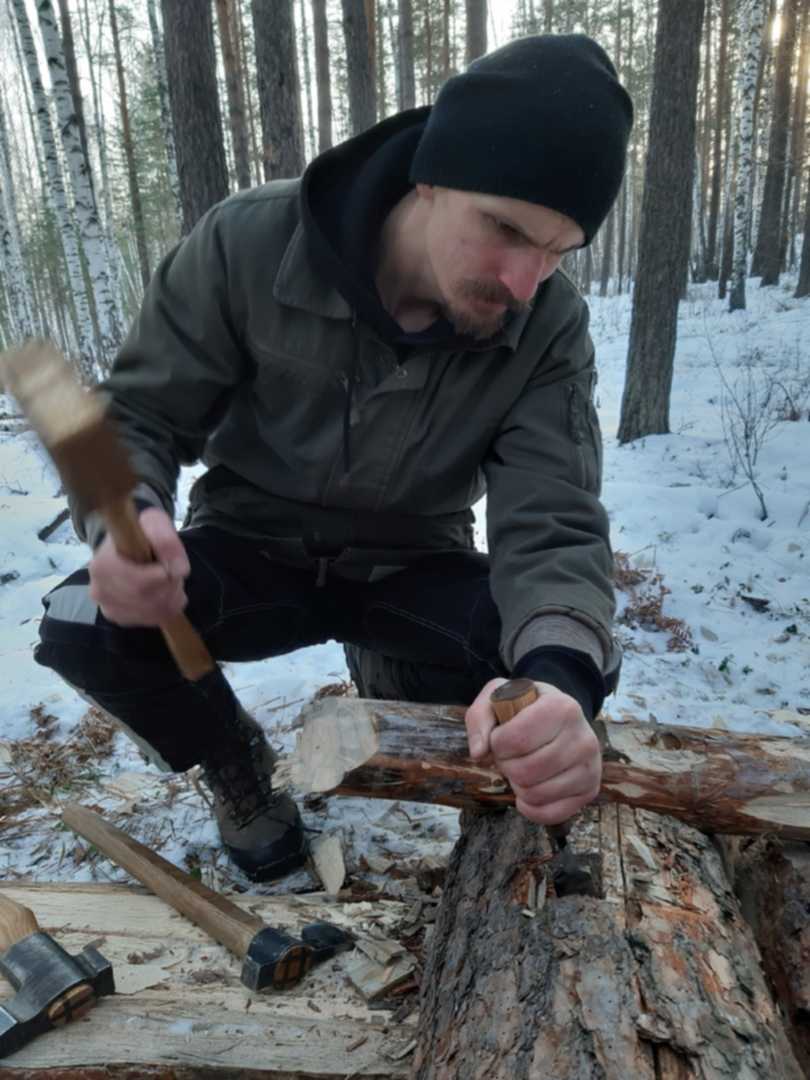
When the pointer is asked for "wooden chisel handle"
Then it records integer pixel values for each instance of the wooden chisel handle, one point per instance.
(187, 647)
(507, 701)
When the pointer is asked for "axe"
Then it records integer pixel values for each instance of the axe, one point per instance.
(271, 958)
(52, 986)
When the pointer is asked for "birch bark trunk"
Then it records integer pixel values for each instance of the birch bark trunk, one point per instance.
(752, 18)
(56, 191)
(17, 287)
(95, 250)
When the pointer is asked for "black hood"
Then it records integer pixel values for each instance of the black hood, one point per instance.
(346, 194)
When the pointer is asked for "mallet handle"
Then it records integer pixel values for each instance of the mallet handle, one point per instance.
(187, 647)
(507, 701)
(225, 921)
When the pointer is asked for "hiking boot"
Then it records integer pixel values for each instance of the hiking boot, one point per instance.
(260, 829)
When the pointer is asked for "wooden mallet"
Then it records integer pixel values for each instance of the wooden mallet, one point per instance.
(95, 468)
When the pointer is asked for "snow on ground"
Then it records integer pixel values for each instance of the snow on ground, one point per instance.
(703, 572)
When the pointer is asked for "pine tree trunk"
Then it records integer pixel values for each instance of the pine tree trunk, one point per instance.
(279, 96)
(58, 197)
(256, 157)
(320, 30)
(723, 93)
(362, 90)
(752, 22)
(666, 216)
(476, 29)
(797, 141)
(191, 70)
(446, 45)
(17, 286)
(407, 78)
(607, 252)
(96, 251)
(165, 111)
(129, 154)
(803, 286)
(234, 89)
(766, 252)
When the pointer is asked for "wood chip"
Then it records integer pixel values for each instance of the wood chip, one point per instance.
(327, 859)
(356, 1043)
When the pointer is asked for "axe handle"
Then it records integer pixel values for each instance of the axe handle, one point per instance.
(16, 922)
(187, 647)
(507, 701)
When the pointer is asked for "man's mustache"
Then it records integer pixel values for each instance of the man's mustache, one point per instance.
(494, 292)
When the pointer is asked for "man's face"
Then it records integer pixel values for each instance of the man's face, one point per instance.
(488, 254)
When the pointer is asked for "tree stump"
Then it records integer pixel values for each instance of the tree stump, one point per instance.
(657, 979)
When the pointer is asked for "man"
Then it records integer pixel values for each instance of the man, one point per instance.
(358, 356)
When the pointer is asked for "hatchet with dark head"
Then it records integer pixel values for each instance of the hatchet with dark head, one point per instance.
(51, 986)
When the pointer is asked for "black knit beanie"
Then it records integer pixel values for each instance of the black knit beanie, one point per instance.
(543, 119)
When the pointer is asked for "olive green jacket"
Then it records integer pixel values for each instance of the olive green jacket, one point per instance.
(240, 356)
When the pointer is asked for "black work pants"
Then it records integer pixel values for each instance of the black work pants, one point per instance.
(429, 632)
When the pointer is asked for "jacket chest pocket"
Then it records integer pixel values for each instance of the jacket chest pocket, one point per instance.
(584, 430)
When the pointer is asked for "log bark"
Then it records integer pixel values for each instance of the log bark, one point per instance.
(659, 979)
(771, 879)
(715, 780)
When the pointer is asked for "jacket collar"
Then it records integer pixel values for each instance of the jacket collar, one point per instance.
(298, 285)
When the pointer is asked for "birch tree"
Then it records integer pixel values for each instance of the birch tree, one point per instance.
(279, 91)
(58, 198)
(108, 317)
(165, 112)
(17, 290)
(752, 22)
(320, 32)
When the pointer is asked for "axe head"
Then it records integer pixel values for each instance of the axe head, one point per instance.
(52, 987)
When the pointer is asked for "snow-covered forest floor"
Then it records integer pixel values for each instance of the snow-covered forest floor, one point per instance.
(714, 608)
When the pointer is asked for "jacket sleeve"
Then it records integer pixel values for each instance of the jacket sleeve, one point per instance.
(551, 562)
(173, 376)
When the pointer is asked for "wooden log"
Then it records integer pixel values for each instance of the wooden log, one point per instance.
(771, 879)
(716, 780)
(657, 979)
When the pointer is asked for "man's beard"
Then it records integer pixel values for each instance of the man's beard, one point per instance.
(476, 323)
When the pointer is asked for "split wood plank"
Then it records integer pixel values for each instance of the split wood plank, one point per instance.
(197, 1015)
